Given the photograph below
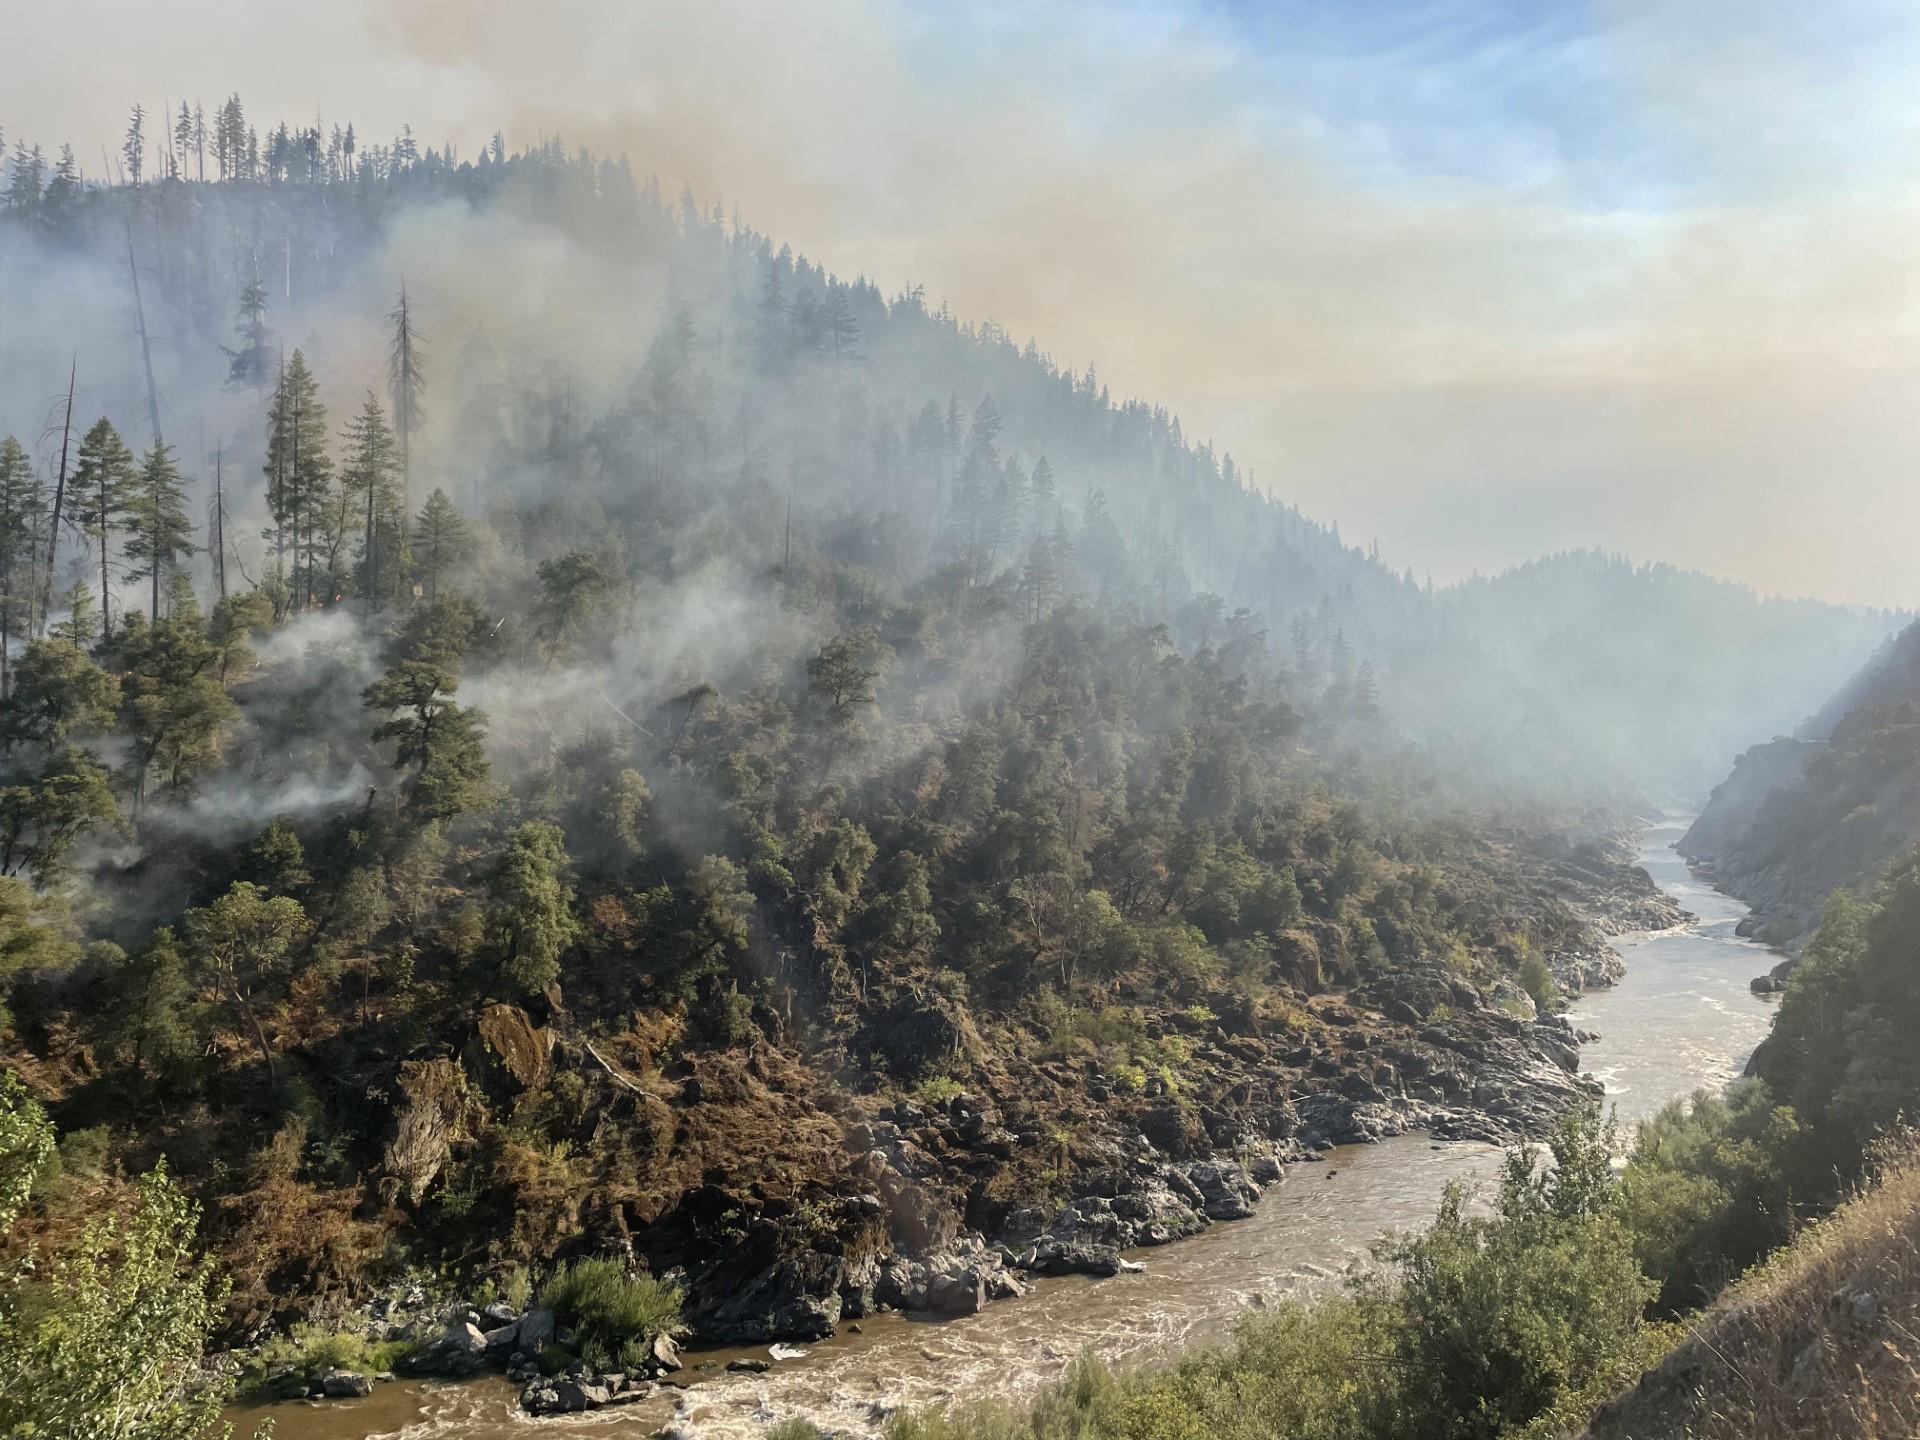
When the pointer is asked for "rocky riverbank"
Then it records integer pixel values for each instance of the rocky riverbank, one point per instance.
(1051, 1164)
(1145, 1175)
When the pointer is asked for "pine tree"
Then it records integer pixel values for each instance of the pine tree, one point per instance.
(182, 140)
(23, 508)
(1366, 693)
(368, 476)
(25, 172)
(134, 149)
(984, 433)
(248, 365)
(103, 480)
(770, 318)
(65, 186)
(159, 534)
(840, 331)
(1045, 493)
(1041, 579)
(299, 477)
(441, 540)
(230, 140)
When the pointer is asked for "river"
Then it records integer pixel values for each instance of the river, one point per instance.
(1683, 1017)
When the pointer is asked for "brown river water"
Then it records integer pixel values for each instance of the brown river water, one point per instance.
(1682, 1018)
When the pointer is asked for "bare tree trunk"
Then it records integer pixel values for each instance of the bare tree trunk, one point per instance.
(59, 497)
(259, 1032)
(146, 351)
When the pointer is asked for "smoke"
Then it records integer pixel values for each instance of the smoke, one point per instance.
(1481, 291)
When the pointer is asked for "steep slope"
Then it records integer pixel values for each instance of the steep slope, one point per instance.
(795, 798)
(1820, 1342)
(1801, 816)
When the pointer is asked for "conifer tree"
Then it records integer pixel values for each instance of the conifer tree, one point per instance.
(103, 480)
(441, 540)
(159, 534)
(134, 148)
(368, 476)
(1043, 493)
(248, 365)
(530, 910)
(770, 319)
(23, 508)
(299, 477)
(63, 189)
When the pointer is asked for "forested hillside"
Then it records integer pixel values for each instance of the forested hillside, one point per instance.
(539, 722)
(1804, 815)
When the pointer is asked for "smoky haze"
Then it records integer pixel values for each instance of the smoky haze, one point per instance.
(1481, 290)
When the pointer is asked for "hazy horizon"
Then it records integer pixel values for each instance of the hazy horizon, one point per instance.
(1473, 282)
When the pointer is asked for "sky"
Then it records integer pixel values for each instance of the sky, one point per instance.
(1477, 281)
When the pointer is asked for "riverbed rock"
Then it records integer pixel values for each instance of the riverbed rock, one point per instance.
(1226, 1190)
(345, 1385)
(559, 1397)
(961, 1294)
(1055, 1256)
(536, 1329)
(663, 1354)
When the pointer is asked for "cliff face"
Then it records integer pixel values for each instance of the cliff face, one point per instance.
(1802, 816)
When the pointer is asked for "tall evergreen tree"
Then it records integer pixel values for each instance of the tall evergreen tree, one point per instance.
(103, 479)
(249, 365)
(1044, 492)
(368, 475)
(134, 148)
(441, 540)
(23, 508)
(299, 478)
(159, 534)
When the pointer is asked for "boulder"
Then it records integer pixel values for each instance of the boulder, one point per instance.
(796, 1298)
(536, 1328)
(559, 1397)
(663, 1353)
(1226, 1190)
(345, 1385)
(1055, 1256)
(961, 1294)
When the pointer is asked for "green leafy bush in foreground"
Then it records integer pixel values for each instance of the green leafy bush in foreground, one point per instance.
(103, 1337)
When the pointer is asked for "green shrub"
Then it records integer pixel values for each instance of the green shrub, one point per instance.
(1536, 978)
(938, 1090)
(312, 1350)
(607, 1307)
(516, 1287)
